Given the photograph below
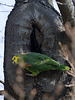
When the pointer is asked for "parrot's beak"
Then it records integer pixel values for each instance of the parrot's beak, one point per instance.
(13, 62)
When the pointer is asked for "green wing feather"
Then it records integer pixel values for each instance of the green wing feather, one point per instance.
(40, 62)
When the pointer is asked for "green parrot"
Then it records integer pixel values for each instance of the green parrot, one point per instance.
(37, 63)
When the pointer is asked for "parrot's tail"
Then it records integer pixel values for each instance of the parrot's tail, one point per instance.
(66, 68)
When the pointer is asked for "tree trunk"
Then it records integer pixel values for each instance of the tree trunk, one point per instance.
(67, 11)
(34, 26)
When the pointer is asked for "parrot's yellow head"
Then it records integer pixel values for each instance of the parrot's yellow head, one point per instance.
(20, 61)
(16, 59)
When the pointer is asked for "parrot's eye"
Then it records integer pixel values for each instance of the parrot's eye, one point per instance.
(14, 58)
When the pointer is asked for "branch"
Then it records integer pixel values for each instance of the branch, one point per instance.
(70, 85)
(4, 11)
(6, 5)
(66, 54)
(67, 11)
(2, 92)
(7, 96)
(2, 82)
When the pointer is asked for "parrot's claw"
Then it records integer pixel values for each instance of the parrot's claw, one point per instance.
(29, 74)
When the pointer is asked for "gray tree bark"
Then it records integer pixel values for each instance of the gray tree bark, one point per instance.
(67, 11)
(35, 26)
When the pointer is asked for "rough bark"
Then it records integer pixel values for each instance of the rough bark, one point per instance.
(67, 11)
(35, 26)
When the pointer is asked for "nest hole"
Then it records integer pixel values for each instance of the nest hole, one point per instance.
(35, 46)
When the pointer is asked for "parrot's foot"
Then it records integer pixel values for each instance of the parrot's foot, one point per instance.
(29, 74)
